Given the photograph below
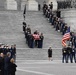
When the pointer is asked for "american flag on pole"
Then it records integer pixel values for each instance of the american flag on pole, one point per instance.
(66, 37)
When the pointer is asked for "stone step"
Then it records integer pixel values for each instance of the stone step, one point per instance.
(37, 54)
(11, 26)
(2, 8)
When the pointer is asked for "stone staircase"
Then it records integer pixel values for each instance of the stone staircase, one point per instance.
(37, 54)
(11, 33)
(36, 20)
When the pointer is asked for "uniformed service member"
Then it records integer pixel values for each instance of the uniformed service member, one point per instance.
(64, 54)
(68, 54)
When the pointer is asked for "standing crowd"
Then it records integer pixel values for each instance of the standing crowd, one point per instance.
(54, 18)
(7, 59)
(64, 4)
(34, 39)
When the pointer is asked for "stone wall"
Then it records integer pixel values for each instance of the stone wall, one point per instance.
(11, 5)
(23, 2)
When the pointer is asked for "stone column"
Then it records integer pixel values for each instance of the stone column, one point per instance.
(11, 5)
(54, 4)
(32, 5)
(18, 4)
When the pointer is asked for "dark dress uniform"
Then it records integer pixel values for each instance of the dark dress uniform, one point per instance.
(64, 55)
(31, 41)
(40, 42)
(39, 7)
(24, 26)
(28, 30)
(73, 55)
(51, 6)
(69, 54)
(24, 12)
(58, 13)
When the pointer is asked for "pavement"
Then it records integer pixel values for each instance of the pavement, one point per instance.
(45, 67)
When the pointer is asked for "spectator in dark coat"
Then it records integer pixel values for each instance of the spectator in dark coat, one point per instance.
(12, 67)
(6, 63)
(50, 54)
(1, 64)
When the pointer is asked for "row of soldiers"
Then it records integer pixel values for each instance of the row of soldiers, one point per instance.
(33, 39)
(64, 4)
(55, 19)
(60, 26)
(7, 59)
(69, 53)
(57, 22)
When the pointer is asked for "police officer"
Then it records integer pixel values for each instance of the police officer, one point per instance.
(64, 54)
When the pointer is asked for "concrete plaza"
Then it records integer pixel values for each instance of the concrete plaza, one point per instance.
(45, 67)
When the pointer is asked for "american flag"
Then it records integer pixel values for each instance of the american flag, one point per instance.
(66, 37)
